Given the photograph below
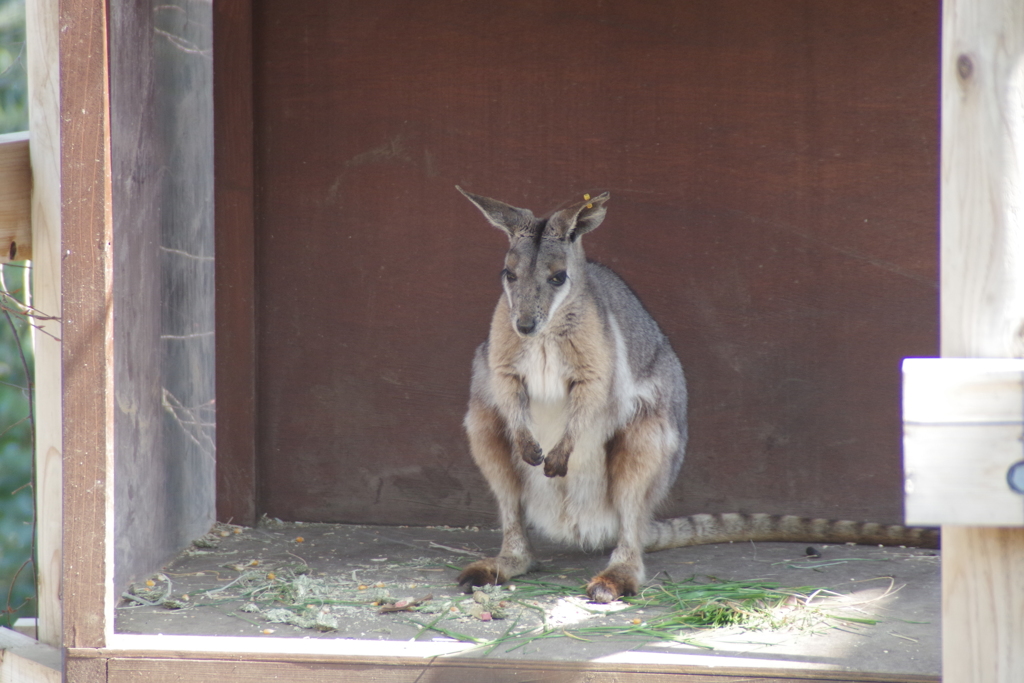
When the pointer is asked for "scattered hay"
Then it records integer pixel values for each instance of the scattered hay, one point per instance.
(273, 592)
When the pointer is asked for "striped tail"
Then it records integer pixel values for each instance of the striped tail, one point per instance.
(731, 526)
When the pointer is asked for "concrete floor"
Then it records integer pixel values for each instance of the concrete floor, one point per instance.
(347, 567)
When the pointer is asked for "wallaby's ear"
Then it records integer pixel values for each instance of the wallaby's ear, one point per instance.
(512, 220)
(571, 223)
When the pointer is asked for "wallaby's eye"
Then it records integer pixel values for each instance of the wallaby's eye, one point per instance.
(508, 275)
(558, 279)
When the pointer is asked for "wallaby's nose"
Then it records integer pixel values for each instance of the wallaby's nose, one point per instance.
(526, 327)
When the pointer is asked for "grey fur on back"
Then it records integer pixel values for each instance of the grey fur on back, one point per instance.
(649, 351)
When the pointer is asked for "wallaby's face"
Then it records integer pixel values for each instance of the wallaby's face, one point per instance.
(539, 276)
(545, 263)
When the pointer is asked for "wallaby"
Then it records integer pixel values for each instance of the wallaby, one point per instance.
(576, 375)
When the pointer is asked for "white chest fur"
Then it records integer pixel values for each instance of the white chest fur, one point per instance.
(574, 508)
(545, 371)
(546, 375)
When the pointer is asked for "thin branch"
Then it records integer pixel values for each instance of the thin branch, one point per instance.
(21, 309)
(12, 426)
(17, 61)
(10, 589)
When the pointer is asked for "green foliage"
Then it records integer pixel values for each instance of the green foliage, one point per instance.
(13, 76)
(17, 574)
(16, 500)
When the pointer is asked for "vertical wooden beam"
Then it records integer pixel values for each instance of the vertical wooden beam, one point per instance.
(982, 221)
(982, 184)
(87, 264)
(42, 37)
(235, 262)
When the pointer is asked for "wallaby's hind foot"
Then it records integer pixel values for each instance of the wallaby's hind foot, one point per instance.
(493, 571)
(613, 583)
(481, 573)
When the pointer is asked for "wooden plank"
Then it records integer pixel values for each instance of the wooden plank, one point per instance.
(256, 652)
(963, 390)
(161, 671)
(982, 605)
(26, 660)
(86, 671)
(15, 198)
(224, 666)
(42, 37)
(236, 274)
(87, 352)
(27, 626)
(956, 474)
(963, 420)
(982, 297)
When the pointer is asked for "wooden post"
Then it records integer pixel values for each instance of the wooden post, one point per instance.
(236, 263)
(982, 221)
(87, 324)
(42, 36)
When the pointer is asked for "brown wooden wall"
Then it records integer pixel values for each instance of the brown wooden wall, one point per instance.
(773, 168)
(161, 156)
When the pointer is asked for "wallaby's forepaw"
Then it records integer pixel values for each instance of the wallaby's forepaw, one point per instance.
(556, 464)
(481, 573)
(530, 451)
(611, 584)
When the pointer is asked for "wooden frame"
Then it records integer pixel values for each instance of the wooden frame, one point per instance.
(94, 652)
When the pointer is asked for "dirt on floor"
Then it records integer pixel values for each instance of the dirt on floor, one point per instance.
(851, 608)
